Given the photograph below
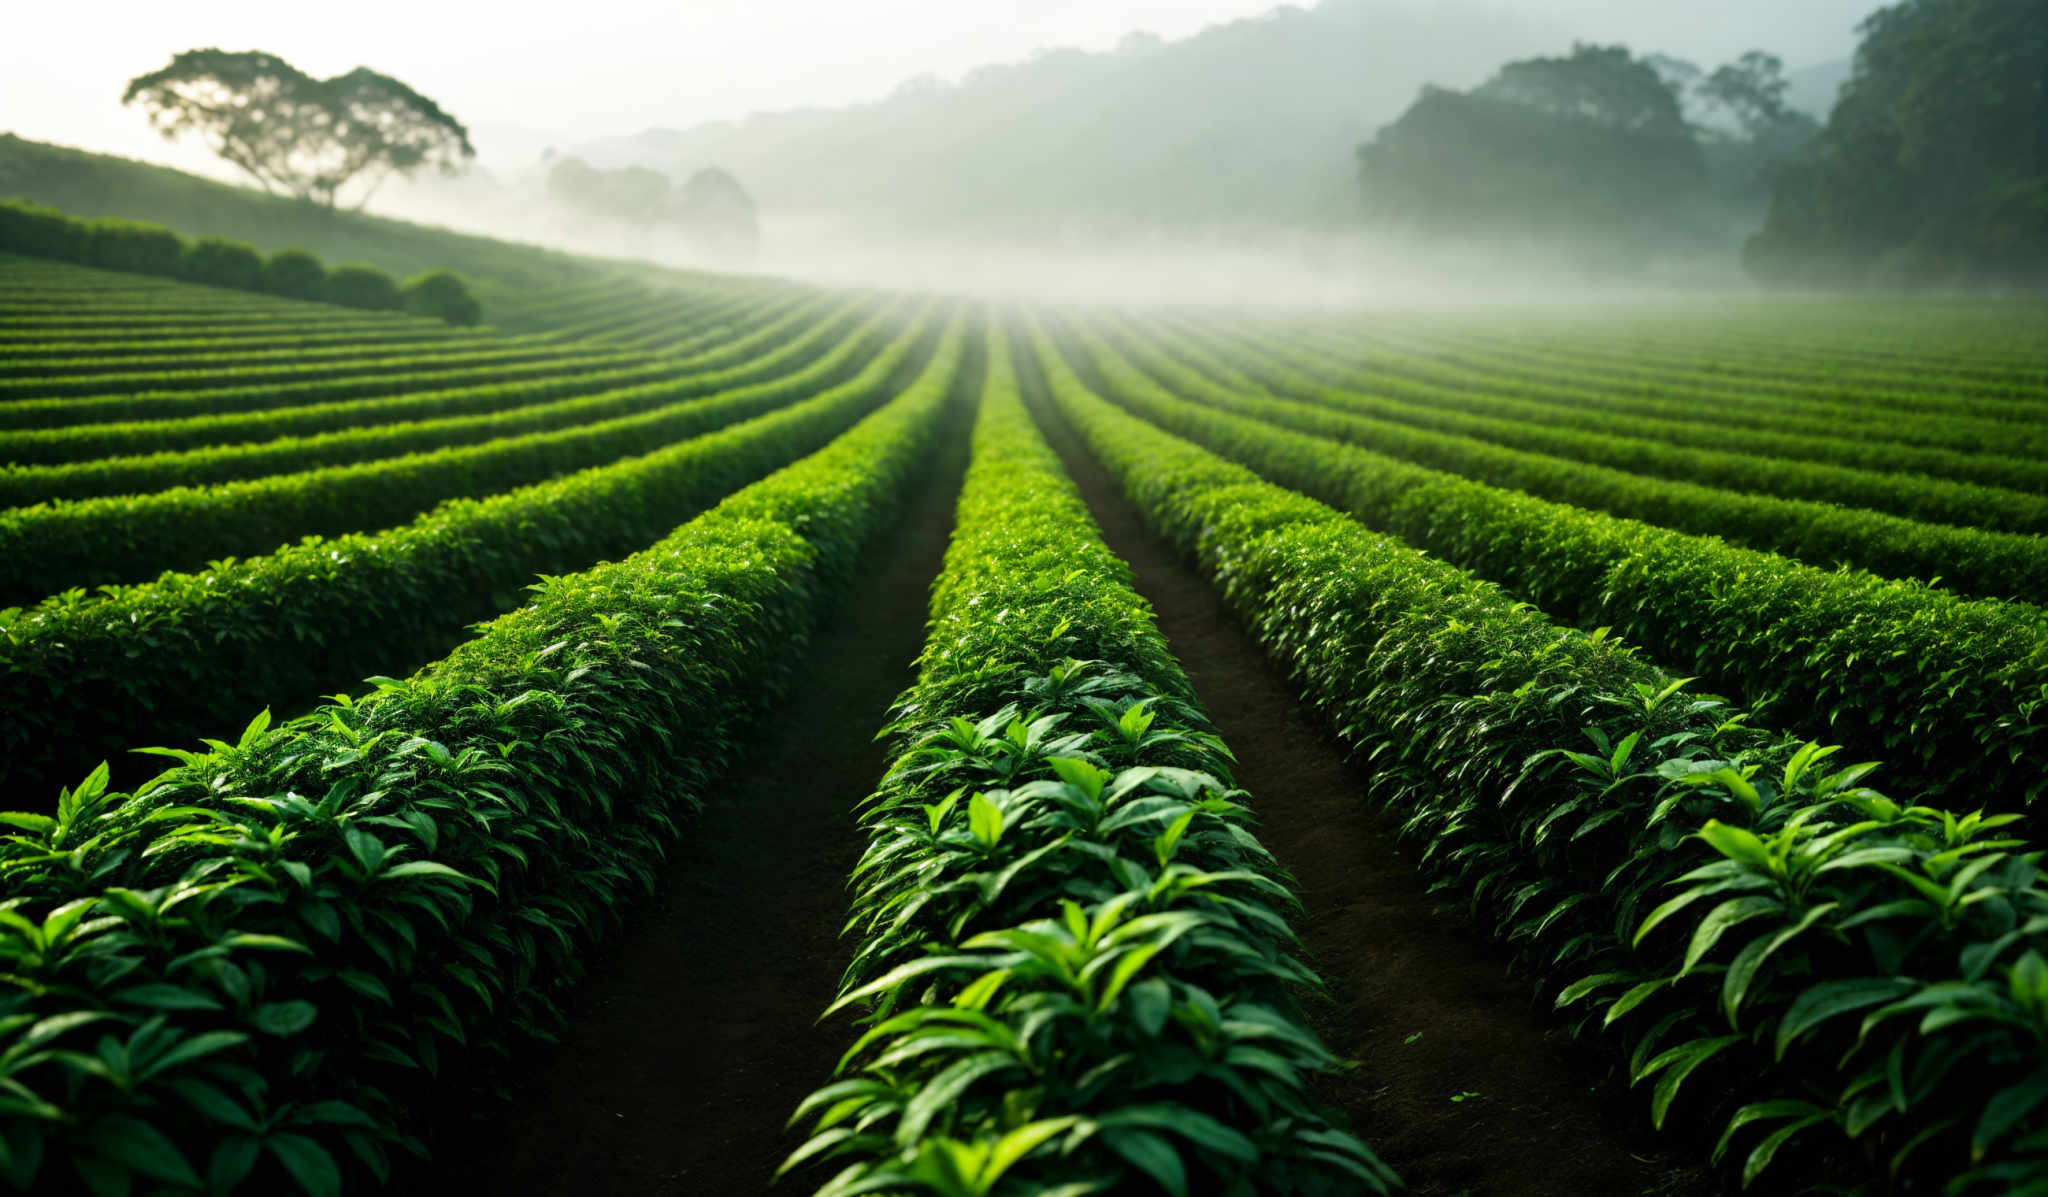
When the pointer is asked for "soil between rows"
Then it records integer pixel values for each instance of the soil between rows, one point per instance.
(691, 1045)
(1462, 1085)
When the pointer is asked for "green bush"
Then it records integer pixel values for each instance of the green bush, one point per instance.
(222, 263)
(133, 245)
(440, 293)
(295, 274)
(359, 285)
(30, 228)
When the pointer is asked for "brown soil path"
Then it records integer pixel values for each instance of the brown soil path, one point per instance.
(692, 1044)
(1462, 1086)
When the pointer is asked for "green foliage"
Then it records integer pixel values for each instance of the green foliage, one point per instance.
(187, 650)
(1074, 952)
(260, 965)
(1931, 170)
(1589, 153)
(360, 285)
(1953, 693)
(586, 400)
(133, 245)
(1767, 927)
(440, 293)
(30, 228)
(295, 274)
(219, 262)
(286, 129)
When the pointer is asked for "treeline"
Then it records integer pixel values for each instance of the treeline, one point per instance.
(1933, 167)
(1931, 170)
(711, 211)
(1607, 159)
(145, 248)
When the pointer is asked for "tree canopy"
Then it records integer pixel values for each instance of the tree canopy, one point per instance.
(1598, 156)
(291, 132)
(1933, 167)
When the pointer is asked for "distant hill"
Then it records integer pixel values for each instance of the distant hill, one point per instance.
(1253, 122)
(87, 184)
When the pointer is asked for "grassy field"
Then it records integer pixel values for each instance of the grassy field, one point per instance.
(1257, 694)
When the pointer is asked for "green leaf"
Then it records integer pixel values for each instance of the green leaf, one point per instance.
(1830, 998)
(1151, 1153)
(309, 1164)
(143, 1148)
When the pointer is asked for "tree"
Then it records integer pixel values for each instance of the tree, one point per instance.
(717, 216)
(1933, 166)
(1587, 155)
(1752, 89)
(291, 132)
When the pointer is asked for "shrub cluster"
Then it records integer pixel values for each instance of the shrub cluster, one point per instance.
(1076, 954)
(144, 248)
(253, 973)
(1864, 977)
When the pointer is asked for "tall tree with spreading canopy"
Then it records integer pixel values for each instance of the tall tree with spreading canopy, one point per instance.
(291, 132)
(1933, 167)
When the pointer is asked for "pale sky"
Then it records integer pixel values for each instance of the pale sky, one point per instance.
(598, 68)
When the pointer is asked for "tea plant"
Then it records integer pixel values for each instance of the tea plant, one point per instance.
(1074, 954)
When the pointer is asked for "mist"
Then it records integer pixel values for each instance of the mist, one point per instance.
(1132, 153)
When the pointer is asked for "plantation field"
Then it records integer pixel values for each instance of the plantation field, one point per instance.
(1581, 750)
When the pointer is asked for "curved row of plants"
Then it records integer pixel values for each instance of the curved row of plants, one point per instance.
(49, 548)
(1074, 953)
(188, 651)
(1971, 561)
(1953, 693)
(1826, 966)
(1583, 373)
(562, 378)
(594, 404)
(252, 974)
(1917, 362)
(477, 351)
(1989, 453)
(147, 248)
(23, 417)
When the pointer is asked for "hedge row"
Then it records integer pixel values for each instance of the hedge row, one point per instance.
(1076, 955)
(1970, 560)
(591, 402)
(1987, 453)
(144, 248)
(118, 438)
(295, 943)
(46, 549)
(1826, 966)
(185, 653)
(1952, 692)
(26, 392)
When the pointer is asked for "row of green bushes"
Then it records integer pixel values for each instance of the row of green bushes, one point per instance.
(1986, 452)
(34, 368)
(126, 538)
(188, 374)
(1783, 952)
(293, 944)
(191, 652)
(1076, 954)
(144, 248)
(593, 401)
(1881, 377)
(561, 379)
(1951, 692)
(56, 415)
(1972, 561)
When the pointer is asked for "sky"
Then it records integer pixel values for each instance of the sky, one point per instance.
(626, 65)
